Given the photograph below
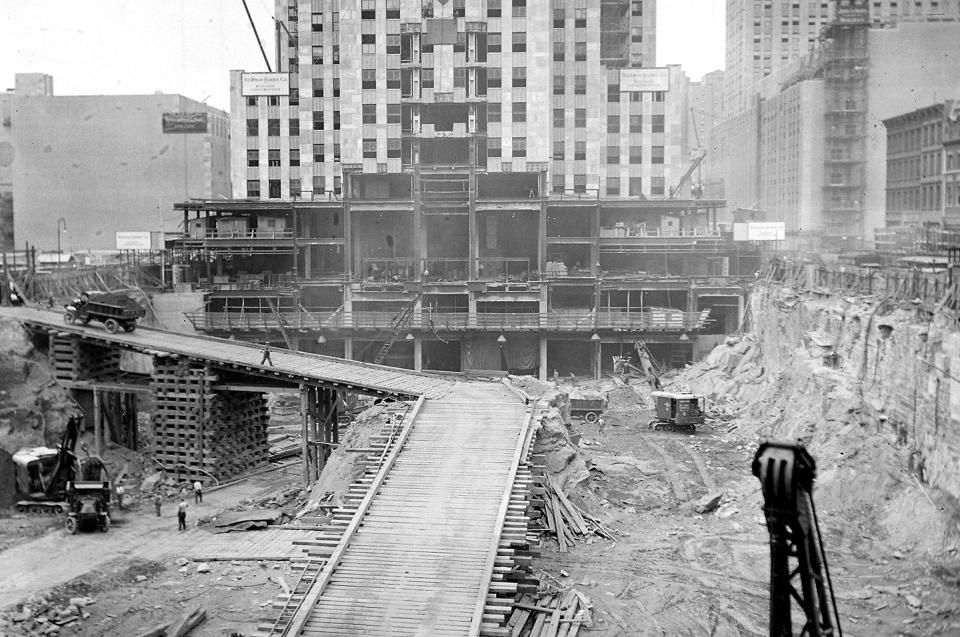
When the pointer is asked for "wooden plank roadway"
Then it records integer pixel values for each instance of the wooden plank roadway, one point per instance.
(288, 366)
(421, 561)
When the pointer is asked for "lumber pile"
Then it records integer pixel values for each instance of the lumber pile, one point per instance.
(222, 433)
(561, 614)
(74, 360)
(560, 517)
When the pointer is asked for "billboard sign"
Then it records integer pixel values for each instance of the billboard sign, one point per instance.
(184, 122)
(644, 80)
(852, 12)
(133, 240)
(265, 84)
(760, 231)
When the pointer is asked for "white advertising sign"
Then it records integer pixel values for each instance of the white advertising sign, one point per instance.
(133, 240)
(760, 231)
(265, 84)
(650, 80)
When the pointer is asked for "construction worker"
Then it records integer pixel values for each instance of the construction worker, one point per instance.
(157, 502)
(198, 492)
(600, 425)
(266, 355)
(182, 515)
(120, 492)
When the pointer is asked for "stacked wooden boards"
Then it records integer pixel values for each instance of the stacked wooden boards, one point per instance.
(222, 433)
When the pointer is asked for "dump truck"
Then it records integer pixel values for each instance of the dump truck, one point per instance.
(588, 407)
(113, 309)
(88, 506)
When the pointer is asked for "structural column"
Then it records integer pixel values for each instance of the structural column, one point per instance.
(418, 354)
(97, 426)
(544, 366)
(305, 432)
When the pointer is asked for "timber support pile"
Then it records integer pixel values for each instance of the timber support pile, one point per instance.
(74, 360)
(220, 433)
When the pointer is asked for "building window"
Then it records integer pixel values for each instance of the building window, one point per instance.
(636, 154)
(317, 56)
(294, 127)
(317, 84)
(370, 148)
(253, 158)
(558, 84)
(580, 84)
(336, 152)
(393, 78)
(317, 120)
(394, 113)
(559, 17)
(613, 92)
(613, 123)
(316, 22)
(459, 8)
(580, 117)
(519, 76)
(426, 78)
(273, 127)
(580, 19)
(636, 186)
(369, 113)
(493, 8)
(251, 101)
(393, 148)
(294, 156)
(656, 154)
(459, 77)
(336, 87)
(253, 127)
(336, 120)
(613, 154)
(558, 117)
(657, 123)
(494, 77)
(580, 183)
(656, 185)
(294, 188)
(318, 153)
(337, 185)
(636, 123)
(274, 189)
(519, 111)
(493, 147)
(369, 80)
(253, 187)
(393, 44)
(519, 8)
(493, 43)
(580, 150)
(519, 146)
(493, 113)
(558, 150)
(519, 41)
(580, 51)
(559, 51)
(273, 157)
(613, 186)
(294, 97)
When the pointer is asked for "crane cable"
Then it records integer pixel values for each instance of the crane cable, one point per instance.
(256, 35)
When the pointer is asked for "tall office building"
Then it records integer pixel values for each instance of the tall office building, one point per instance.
(499, 85)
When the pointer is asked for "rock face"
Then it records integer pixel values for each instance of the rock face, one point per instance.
(867, 387)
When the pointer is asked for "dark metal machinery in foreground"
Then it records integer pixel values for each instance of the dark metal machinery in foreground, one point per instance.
(798, 566)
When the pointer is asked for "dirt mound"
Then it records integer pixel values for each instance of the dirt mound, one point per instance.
(624, 399)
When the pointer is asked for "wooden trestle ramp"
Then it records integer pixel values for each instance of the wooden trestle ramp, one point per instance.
(288, 366)
(434, 539)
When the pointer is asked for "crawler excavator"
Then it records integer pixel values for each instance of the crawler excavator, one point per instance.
(798, 566)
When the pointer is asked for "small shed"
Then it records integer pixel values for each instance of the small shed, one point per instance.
(8, 485)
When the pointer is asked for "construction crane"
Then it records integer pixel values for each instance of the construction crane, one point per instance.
(698, 156)
(798, 566)
(400, 321)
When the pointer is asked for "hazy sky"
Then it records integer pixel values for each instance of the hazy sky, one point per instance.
(188, 46)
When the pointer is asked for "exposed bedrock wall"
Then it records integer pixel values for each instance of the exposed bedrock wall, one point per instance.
(892, 400)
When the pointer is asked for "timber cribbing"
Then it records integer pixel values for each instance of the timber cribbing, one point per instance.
(288, 366)
(429, 546)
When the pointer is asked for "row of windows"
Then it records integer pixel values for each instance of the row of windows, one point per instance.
(613, 187)
(296, 190)
(613, 153)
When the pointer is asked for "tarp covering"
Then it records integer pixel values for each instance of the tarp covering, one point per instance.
(23, 457)
(482, 351)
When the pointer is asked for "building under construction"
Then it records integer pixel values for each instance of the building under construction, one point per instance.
(456, 270)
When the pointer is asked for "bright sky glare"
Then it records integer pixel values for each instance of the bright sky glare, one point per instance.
(93, 47)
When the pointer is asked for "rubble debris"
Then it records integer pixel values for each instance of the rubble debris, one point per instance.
(180, 627)
(708, 503)
(565, 612)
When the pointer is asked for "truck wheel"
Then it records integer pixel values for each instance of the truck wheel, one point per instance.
(590, 417)
(85, 321)
(105, 523)
(71, 525)
(111, 325)
(69, 318)
(129, 327)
